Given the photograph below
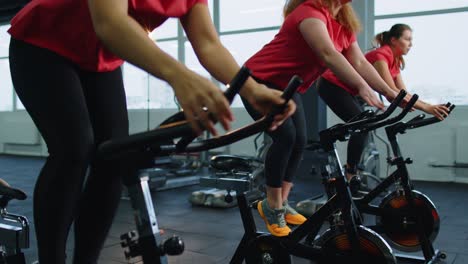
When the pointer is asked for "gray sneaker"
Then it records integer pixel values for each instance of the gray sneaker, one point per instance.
(291, 216)
(274, 219)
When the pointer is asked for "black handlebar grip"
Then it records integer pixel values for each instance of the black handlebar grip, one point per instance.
(288, 93)
(451, 108)
(236, 83)
(291, 88)
(416, 118)
(411, 103)
(397, 100)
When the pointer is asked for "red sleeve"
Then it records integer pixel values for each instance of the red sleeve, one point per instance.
(308, 10)
(201, 2)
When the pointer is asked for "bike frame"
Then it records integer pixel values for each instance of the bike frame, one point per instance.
(401, 177)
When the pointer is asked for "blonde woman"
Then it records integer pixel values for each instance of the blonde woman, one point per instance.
(316, 35)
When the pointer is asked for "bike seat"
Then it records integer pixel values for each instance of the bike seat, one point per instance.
(231, 162)
(9, 192)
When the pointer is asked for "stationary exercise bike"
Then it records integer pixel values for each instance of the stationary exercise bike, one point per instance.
(139, 150)
(237, 167)
(14, 229)
(405, 217)
(368, 168)
(346, 241)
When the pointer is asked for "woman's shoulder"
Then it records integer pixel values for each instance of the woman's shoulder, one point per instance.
(381, 53)
(310, 9)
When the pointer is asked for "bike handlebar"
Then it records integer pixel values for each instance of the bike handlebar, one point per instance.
(415, 122)
(351, 126)
(392, 120)
(419, 122)
(246, 131)
(233, 88)
(177, 127)
(236, 84)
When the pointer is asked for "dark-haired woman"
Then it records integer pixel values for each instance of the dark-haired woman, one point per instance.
(388, 60)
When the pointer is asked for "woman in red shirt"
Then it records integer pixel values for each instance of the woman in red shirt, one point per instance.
(315, 35)
(387, 59)
(65, 59)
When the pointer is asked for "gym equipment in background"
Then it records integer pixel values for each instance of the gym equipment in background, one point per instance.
(246, 168)
(14, 228)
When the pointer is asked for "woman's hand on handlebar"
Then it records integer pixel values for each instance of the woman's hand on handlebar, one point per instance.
(369, 96)
(440, 111)
(391, 95)
(263, 99)
(200, 98)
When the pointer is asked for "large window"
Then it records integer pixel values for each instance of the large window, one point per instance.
(244, 27)
(4, 40)
(247, 14)
(386, 7)
(145, 91)
(6, 88)
(435, 68)
(249, 20)
(243, 46)
(166, 30)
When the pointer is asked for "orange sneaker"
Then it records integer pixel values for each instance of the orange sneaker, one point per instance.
(274, 219)
(291, 216)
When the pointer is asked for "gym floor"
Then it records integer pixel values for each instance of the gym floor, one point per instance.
(211, 235)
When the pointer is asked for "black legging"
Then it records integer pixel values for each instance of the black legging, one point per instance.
(285, 153)
(74, 111)
(345, 106)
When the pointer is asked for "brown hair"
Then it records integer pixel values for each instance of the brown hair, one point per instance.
(346, 16)
(384, 38)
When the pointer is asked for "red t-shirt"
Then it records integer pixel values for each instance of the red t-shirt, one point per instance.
(65, 27)
(289, 54)
(383, 53)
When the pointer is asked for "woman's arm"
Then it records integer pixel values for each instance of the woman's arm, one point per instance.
(111, 21)
(220, 63)
(316, 35)
(438, 111)
(383, 69)
(377, 80)
(399, 82)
